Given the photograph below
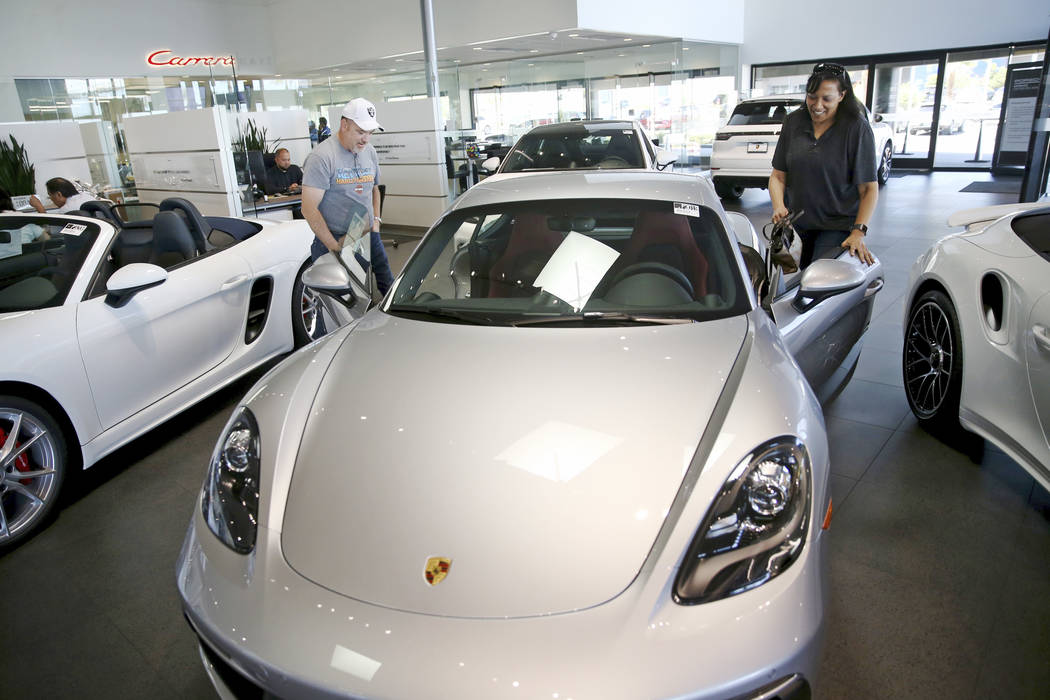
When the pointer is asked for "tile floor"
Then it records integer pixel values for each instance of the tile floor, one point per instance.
(939, 584)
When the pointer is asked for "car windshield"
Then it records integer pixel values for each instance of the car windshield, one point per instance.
(39, 259)
(576, 146)
(752, 113)
(584, 262)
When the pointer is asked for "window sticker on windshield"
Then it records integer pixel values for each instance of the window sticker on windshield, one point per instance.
(687, 209)
(73, 229)
(628, 131)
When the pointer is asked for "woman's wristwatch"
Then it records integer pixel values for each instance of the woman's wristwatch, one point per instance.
(863, 228)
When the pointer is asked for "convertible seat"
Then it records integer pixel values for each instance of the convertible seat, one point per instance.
(196, 224)
(666, 238)
(133, 245)
(98, 209)
(530, 246)
(172, 241)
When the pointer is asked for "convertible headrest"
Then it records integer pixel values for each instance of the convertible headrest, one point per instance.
(198, 226)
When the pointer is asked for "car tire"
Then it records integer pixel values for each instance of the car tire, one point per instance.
(733, 192)
(306, 312)
(885, 163)
(932, 363)
(27, 502)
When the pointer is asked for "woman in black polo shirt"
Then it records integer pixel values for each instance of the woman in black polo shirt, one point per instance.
(824, 164)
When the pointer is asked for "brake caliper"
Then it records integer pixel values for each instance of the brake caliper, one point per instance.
(21, 461)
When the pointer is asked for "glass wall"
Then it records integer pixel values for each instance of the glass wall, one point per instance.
(944, 107)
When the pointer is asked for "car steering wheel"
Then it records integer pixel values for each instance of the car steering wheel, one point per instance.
(613, 162)
(655, 268)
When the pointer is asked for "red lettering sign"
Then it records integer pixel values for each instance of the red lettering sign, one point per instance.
(157, 58)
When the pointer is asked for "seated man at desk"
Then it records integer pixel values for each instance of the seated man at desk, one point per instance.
(284, 177)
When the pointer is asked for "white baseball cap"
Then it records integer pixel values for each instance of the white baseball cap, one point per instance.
(363, 113)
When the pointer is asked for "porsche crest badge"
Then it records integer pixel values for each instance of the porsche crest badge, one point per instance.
(436, 570)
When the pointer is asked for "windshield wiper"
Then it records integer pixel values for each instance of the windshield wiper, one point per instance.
(465, 317)
(603, 316)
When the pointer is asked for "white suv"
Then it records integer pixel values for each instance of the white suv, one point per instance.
(742, 155)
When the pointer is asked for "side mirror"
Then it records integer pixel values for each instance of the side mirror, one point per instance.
(328, 276)
(130, 280)
(665, 158)
(491, 164)
(824, 279)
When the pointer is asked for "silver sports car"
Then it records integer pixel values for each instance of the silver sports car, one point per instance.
(572, 454)
(977, 332)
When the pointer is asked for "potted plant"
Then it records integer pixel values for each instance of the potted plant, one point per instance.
(17, 174)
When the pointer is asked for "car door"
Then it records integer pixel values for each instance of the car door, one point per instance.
(1038, 358)
(165, 336)
(824, 337)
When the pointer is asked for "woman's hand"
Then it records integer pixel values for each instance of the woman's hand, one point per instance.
(854, 243)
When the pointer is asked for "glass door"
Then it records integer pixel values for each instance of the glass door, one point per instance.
(970, 105)
(905, 94)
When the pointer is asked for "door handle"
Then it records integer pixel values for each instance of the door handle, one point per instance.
(1042, 336)
(874, 287)
(233, 282)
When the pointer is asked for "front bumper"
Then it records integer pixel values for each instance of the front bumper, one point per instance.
(289, 637)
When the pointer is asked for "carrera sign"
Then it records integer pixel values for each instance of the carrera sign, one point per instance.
(163, 58)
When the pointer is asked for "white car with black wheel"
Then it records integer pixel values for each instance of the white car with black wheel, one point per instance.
(977, 333)
(742, 154)
(112, 327)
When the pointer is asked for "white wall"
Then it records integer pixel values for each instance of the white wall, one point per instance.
(775, 30)
(291, 126)
(720, 21)
(55, 149)
(113, 37)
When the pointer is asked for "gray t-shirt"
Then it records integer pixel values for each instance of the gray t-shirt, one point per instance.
(348, 179)
(822, 175)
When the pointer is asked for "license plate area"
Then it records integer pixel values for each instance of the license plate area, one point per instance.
(757, 147)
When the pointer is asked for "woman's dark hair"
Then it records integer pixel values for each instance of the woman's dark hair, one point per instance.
(849, 106)
(62, 186)
(5, 201)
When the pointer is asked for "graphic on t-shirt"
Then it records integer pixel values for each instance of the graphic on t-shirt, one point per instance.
(351, 176)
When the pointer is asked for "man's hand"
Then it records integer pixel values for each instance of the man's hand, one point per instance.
(294, 187)
(36, 204)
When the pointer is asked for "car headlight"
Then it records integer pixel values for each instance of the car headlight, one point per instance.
(230, 497)
(755, 528)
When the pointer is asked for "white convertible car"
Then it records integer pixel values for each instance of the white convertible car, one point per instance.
(576, 455)
(977, 332)
(113, 327)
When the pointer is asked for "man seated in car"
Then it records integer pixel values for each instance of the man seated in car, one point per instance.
(283, 176)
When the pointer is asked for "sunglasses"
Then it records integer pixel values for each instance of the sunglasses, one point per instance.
(829, 69)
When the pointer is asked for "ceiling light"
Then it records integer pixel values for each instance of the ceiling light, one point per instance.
(621, 54)
(477, 48)
(573, 36)
(579, 53)
(628, 39)
(685, 48)
(534, 50)
(645, 46)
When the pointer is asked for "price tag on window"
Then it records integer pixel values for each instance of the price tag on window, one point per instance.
(687, 209)
(73, 229)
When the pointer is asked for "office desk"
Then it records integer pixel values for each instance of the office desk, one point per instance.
(278, 208)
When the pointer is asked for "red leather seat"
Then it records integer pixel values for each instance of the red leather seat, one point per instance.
(667, 238)
(530, 246)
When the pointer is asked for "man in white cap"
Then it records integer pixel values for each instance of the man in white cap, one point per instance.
(341, 188)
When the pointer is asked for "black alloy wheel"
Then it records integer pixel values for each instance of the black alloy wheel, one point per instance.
(932, 362)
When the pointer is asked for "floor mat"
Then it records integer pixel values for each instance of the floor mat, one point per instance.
(997, 186)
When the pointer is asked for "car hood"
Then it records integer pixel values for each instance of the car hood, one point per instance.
(540, 461)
